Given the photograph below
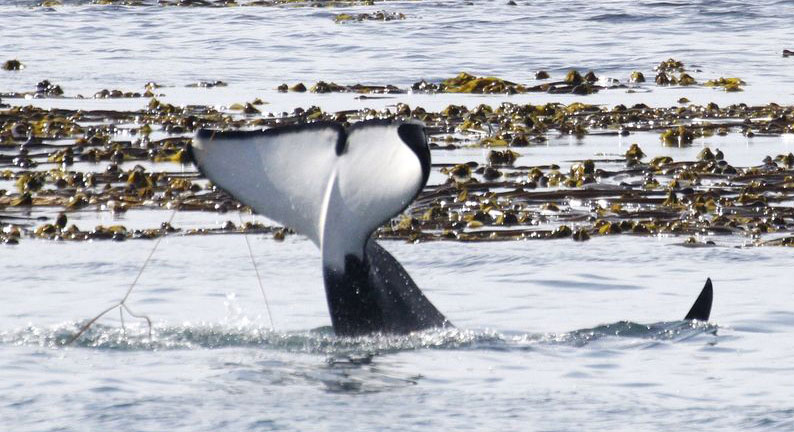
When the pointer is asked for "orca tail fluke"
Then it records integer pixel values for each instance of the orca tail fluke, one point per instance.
(702, 308)
(336, 186)
(405, 307)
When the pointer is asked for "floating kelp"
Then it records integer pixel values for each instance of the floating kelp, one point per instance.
(374, 16)
(120, 2)
(207, 84)
(669, 73)
(118, 94)
(44, 89)
(686, 80)
(637, 77)
(248, 107)
(509, 124)
(197, 3)
(680, 136)
(120, 232)
(57, 162)
(664, 79)
(466, 83)
(298, 88)
(505, 157)
(13, 65)
(740, 204)
(727, 84)
(325, 87)
(670, 65)
(574, 82)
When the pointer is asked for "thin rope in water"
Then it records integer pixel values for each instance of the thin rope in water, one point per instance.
(253, 262)
(258, 277)
(121, 304)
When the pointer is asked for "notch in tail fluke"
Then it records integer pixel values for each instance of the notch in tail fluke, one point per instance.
(702, 308)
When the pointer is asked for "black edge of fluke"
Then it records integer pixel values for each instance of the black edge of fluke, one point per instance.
(701, 310)
(191, 156)
(414, 136)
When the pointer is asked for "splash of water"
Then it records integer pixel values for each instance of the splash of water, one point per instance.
(238, 331)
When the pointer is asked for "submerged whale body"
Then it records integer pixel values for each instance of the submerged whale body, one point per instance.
(335, 185)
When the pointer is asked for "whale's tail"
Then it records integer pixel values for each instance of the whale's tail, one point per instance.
(376, 294)
(336, 186)
(701, 310)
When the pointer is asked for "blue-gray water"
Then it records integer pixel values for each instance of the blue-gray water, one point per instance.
(552, 336)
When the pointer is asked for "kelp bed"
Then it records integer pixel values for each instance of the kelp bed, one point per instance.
(669, 72)
(56, 162)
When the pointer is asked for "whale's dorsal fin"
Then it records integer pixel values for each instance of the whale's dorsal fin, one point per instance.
(701, 310)
(336, 186)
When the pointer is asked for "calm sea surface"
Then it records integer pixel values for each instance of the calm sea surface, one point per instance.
(551, 336)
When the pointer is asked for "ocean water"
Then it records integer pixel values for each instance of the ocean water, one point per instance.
(550, 335)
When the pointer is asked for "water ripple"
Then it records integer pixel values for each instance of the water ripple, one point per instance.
(323, 341)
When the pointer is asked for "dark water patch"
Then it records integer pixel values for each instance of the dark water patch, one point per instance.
(774, 321)
(663, 331)
(663, 4)
(22, 403)
(622, 18)
(107, 389)
(567, 284)
(777, 420)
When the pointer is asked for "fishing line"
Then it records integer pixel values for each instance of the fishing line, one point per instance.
(122, 303)
(256, 270)
(253, 261)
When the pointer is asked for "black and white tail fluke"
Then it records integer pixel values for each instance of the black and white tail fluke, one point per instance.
(701, 310)
(335, 185)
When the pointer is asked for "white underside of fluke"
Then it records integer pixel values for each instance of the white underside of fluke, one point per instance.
(296, 178)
